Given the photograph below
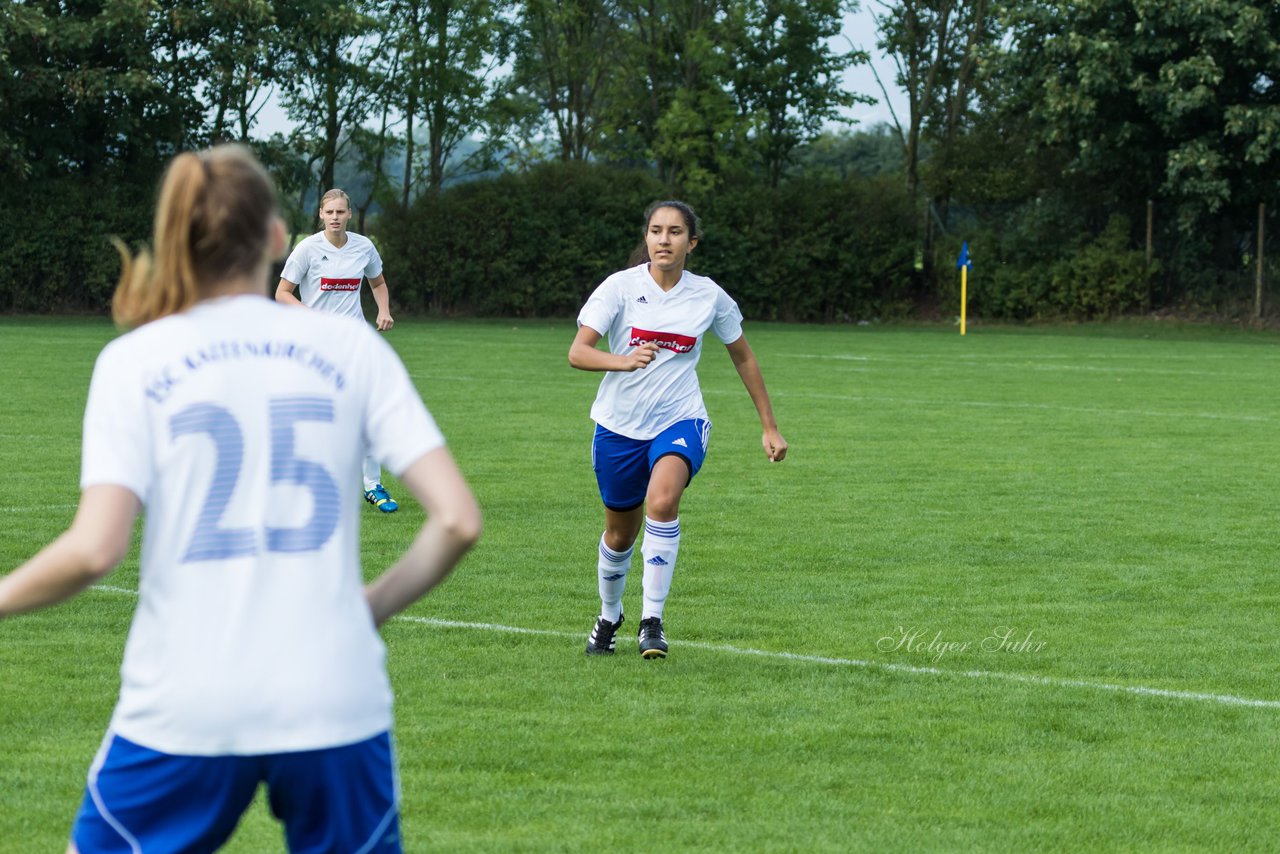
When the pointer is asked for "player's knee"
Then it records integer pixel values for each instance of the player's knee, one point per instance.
(663, 505)
(620, 536)
(618, 541)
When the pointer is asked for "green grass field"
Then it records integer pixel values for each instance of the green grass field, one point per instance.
(1099, 500)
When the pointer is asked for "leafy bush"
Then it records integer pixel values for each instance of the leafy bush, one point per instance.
(531, 244)
(1045, 263)
(535, 244)
(63, 261)
(1105, 278)
(813, 249)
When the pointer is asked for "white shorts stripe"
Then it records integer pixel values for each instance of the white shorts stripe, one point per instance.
(98, 761)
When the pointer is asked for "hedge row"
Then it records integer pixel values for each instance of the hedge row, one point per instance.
(535, 244)
(60, 255)
(1094, 277)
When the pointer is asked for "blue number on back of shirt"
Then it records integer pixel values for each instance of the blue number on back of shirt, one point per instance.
(211, 541)
(287, 468)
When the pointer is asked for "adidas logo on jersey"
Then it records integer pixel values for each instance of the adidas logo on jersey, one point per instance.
(681, 442)
(656, 560)
(642, 299)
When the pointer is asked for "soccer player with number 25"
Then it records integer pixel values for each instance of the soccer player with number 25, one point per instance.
(254, 656)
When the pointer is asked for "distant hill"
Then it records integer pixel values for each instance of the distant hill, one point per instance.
(357, 181)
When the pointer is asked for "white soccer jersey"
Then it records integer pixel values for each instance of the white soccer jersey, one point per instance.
(329, 278)
(631, 309)
(241, 424)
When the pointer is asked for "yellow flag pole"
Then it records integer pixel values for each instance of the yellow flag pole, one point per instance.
(964, 294)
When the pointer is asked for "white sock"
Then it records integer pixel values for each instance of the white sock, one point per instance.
(372, 473)
(612, 574)
(660, 547)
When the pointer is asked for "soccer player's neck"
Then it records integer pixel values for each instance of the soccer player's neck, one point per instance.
(237, 286)
(665, 277)
(336, 239)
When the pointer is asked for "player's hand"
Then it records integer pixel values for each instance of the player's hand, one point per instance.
(775, 447)
(640, 358)
(384, 322)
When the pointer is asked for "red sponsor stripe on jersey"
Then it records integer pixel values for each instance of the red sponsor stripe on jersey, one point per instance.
(339, 284)
(673, 341)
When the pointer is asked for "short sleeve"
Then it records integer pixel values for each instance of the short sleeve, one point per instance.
(398, 426)
(601, 308)
(115, 448)
(727, 325)
(373, 268)
(295, 268)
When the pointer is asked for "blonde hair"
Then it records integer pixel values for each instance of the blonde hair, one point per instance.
(335, 194)
(213, 222)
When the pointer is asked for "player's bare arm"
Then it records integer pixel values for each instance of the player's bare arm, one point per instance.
(97, 540)
(586, 356)
(453, 525)
(382, 299)
(744, 361)
(285, 293)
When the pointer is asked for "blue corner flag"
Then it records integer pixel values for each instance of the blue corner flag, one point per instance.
(963, 261)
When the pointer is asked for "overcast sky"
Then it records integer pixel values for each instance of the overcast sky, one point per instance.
(860, 29)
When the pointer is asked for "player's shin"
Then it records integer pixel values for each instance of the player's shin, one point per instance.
(611, 570)
(659, 549)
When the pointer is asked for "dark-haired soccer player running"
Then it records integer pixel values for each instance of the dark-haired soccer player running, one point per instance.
(652, 428)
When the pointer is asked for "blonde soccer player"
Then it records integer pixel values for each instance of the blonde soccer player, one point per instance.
(254, 656)
(324, 272)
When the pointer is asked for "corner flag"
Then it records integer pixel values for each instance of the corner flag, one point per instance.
(963, 264)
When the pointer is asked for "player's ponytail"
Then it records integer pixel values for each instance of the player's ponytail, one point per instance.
(213, 223)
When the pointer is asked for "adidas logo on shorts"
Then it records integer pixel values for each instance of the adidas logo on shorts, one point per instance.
(681, 442)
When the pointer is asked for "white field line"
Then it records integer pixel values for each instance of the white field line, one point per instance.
(38, 508)
(889, 667)
(1046, 362)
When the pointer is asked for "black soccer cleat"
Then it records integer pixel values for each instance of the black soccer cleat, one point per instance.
(604, 636)
(653, 643)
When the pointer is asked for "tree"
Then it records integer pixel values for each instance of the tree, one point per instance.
(17, 23)
(326, 69)
(841, 154)
(241, 37)
(935, 46)
(564, 58)
(787, 78)
(1175, 99)
(79, 96)
(452, 51)
(672, 105)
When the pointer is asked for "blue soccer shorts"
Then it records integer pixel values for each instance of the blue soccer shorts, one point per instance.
(339, 799)
(622, 465)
